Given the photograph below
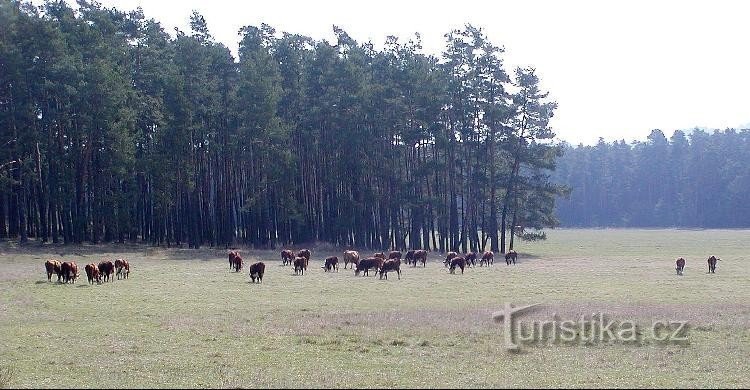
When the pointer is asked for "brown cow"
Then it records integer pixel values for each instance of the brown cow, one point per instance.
(69, 271)
(122, 268)
(511, 256)
(237, 263)
(458, 262)
(680, 265)
(448, 257)
(256, 271)
(488, 258)
(92, 273)
(394, 255)
(380, 255)
(471, 259)
(420, 255)
(53, 267)
(409, 256)
(232, 256)
(366, 264)
(351, 257)
(332, 263)
(287, 257)
(299, 265)
(306, 254)
(106, 268)
(712, 264)
(391, 265)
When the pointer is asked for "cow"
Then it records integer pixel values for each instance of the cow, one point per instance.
(287, 257)
(420, 255)
(256, 271)
(122, 268)
(237, 263)
(351, 257)
(106, 268)
(306, 254)
(409, 256)
(92, 273)
(680, 265)
(448, 257)
(332, 263)
(232, 256)
(380, 255)
(69, 271)
(391, 265)
(366, 264)
(712, 264)
(299, 265)
(458, 261)
(488, 257)
(53, 267)
(394, 255)
(511, 256)
(471, 258)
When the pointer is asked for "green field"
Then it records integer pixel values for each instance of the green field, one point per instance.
(184, 320)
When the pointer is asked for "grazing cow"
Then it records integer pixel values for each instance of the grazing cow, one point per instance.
(122, 267)
(306, 254)
(256, 271)
(471, 258)
(458, 262)
(366, 264)
(409, 256)
(420, 255)
(237, 263)
(351, 257)
(299, 265)
(92, 273)
(69, 271)
(488, 258)
(391, 265)
(680, 265)
(332, 263)
(106, 268)
(53, 267)
(232, 256)
(511, 256)
(394, 255)
(287, 257)
(712, 264)
(448, 257)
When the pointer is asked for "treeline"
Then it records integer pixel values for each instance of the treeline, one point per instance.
(114, 130)
(696, 180)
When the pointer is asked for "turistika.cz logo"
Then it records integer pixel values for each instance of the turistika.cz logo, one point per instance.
(596, 328)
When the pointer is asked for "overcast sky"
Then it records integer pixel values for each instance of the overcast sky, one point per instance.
(617, 69)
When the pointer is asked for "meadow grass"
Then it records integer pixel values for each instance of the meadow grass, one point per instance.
(184, 320)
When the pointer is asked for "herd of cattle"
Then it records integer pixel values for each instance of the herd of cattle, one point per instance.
(67, 271)
(711, 265)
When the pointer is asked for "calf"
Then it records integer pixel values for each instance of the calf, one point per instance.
(680, 265)
(458, 262)
(391, 265)
(488, 258)
(712, 264)
(448, 257)
(92, 273)
(69, 271)
(53, 267)
(511, 256)
(237, 263)
(123, 268)
(332, 263)
(106, 268)
(287, 257)
(366, 264)
(409, 256)
(232, 256)
(351, 257)
(394, 255)
(420, 255)
(471, 258)
(256, 271)
(299, 265)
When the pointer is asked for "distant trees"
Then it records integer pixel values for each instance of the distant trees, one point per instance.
(113, 130)
(696, 180)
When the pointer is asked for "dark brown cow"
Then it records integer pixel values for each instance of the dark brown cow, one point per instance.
(306, 254)
(232, 256)
(53, 267)
(92, 273)
(420, 255)
(488, 258)
(299, 265)
(511, 256)
(256, 271)
(237, 263)
(394, 255)
(471, 259)
(712, 264)
(287, 257)
(391, 265)
(331, 263)
(448, 257)
(458, 262)
(409, 256)
(366, 264)
(680, 265)
(351, 257)
(69, 271)
(122, 268)
(106, 268)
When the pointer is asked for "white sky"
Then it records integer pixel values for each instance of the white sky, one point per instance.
(617, 69)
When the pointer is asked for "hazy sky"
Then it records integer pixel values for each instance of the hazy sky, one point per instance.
(617, 69)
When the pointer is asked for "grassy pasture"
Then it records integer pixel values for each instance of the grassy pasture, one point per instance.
(184, 320)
